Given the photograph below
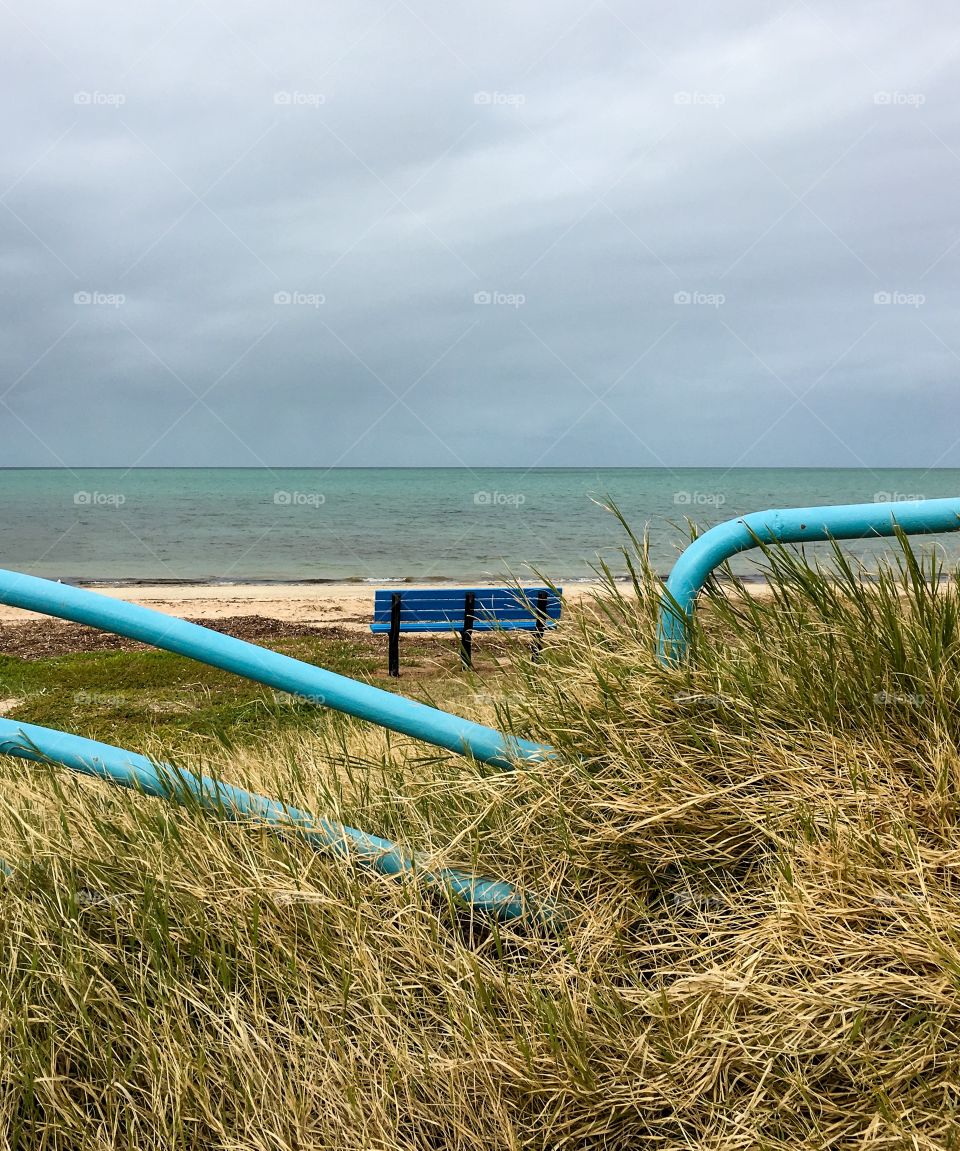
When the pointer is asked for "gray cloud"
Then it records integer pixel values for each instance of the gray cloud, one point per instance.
(572, 233)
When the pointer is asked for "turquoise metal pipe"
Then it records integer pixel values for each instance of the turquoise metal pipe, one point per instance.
(784, 525)
(127, 768)
(322, 687)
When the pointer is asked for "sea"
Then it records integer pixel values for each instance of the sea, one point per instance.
(383, 525)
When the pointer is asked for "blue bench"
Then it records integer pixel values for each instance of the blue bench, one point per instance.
(464, 610)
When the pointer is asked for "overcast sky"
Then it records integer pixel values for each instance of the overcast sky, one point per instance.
(406, 232)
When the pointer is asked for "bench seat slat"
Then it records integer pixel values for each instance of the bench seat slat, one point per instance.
(429, 592)
(502, 600)
(457, 617)
(454, 623)
(489, 596)
(447, 625)
(456, 611)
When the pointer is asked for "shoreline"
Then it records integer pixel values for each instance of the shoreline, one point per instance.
(358, 582)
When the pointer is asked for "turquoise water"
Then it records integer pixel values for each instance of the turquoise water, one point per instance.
(385, 524)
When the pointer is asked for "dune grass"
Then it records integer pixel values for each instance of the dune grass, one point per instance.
(757, 854)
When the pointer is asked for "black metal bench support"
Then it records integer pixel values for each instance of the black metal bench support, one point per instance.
(466, 636)
(541, 625)
(393, 657)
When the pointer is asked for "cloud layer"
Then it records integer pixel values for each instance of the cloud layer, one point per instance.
(402, 233)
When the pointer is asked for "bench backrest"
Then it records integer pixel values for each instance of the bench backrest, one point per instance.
(442, 609)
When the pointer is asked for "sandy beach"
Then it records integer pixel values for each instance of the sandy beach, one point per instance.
(346, 605)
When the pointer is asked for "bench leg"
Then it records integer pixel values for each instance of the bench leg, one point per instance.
(466, 648)
(541, 626)
(393, 651)
(537, 644)
(466, 636)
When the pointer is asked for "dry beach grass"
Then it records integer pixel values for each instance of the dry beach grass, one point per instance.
(757, 856)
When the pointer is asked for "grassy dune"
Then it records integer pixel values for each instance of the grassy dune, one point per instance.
(757, 855)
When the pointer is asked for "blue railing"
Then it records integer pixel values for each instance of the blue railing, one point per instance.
(128, 769)
(784, 525)
(284, 673)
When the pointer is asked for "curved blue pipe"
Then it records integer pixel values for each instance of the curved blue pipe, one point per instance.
(269, 667)
(89, 757)
(784, 525)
